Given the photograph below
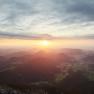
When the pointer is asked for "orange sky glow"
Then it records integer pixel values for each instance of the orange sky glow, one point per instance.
(47, 43)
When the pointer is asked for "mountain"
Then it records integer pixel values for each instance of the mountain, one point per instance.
(26, 66)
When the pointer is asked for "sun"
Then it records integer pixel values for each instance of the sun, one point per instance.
(44, 43)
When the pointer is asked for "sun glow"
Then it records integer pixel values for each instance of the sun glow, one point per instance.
(44, 43)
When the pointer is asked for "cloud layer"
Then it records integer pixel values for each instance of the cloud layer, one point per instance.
(55, 17)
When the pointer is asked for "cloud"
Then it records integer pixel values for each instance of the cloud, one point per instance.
(54, 17)
(14, 9)
(74, 10)
(14, 35)
(82, 8)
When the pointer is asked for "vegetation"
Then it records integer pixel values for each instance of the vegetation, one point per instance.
(75, 79)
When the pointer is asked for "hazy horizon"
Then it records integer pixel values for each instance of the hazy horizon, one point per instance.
(59, 43)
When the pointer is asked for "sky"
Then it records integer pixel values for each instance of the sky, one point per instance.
(25, 18)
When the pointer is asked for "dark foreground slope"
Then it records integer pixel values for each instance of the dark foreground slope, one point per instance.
(74, 83)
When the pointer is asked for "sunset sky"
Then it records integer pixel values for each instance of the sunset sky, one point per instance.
(25, 18)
